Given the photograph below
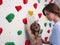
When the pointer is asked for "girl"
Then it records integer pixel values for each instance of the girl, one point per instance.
(33, 31)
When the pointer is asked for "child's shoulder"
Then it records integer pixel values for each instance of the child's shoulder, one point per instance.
(39, 35)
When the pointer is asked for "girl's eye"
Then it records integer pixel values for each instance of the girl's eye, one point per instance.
(34, 25)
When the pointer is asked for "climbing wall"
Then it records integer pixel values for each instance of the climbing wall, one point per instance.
(13, 14)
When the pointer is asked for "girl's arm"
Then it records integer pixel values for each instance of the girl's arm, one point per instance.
(29, 30)
(30, 33)
(28, 27)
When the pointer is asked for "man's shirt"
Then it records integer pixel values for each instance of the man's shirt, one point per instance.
(55, 36)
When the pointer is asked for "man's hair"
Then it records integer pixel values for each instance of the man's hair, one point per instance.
(53, 8)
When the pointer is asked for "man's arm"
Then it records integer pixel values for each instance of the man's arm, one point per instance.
(58, 34)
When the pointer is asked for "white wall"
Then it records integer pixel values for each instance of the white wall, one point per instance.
(57, 2)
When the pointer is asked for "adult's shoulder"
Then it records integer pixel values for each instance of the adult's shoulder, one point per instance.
(58, 23)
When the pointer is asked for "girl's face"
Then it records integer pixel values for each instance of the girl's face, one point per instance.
(36, 27)
(49, 15)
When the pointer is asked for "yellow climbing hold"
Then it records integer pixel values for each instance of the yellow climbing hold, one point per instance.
(30, 12)
(46, 19)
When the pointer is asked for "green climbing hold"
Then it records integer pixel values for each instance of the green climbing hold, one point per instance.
(45, 24)
(41, 31)
(19, 32)
(10, 17)
(9, 43)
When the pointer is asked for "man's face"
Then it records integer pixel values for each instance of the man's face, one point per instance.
(49, 15)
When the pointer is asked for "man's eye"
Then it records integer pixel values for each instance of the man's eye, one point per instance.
(47, 14)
